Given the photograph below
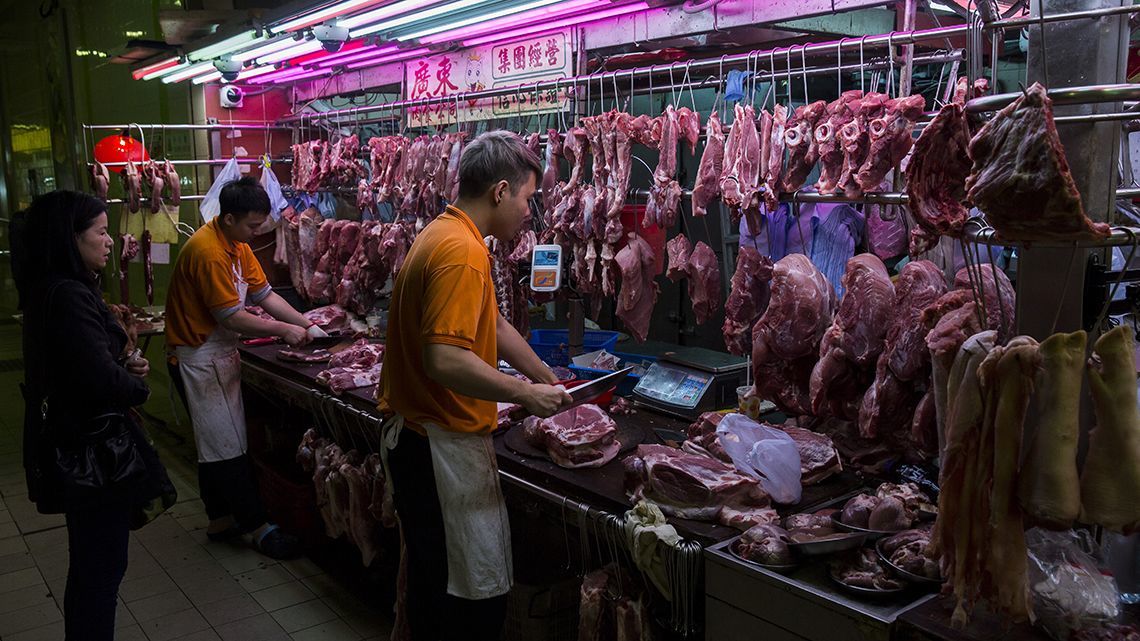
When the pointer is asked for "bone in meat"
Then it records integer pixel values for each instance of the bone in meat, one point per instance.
(774, 158)
(799, 138)
(936, 175)
(890, 139)
(839, 112)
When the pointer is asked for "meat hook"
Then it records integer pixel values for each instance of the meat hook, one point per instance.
(672, 83)
(862, 43)
(803, 67)
(689, 83)
(1119, 279)
(838, 69)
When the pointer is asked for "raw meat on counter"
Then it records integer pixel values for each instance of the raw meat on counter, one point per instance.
(362, 354)
(1021, 178)
(892, 508)
(747, 300)
(331, 318)
(766, 544)
(302, 356)
(581, 436)
(861, 568)
(1110, 481)
(818, 457)
(696, 487)
(1107, 632)
(786, 339)
(908, 550)
(342, 379)
(852, 344)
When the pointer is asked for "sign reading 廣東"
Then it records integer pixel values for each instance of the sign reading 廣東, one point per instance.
(536, 59)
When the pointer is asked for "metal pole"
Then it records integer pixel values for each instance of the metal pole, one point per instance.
(188, 127)
(907, 71)
(1063, 17)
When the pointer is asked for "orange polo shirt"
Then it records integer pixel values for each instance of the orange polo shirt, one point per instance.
(204, 285)
(444, 294)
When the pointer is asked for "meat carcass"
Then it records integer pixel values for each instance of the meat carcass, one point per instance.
(100, 180)
(704, 282)
(890, 139)
(678, 251)
(994, 292)
(128, 252)
(363, 354)
(132, 187)
(707, 185)
(1050, 488)
(786, 338)
(308, 236)
(148, 266)
(581, 436)
(741, 170)
(747, 300)
(689, 128)
(665, 192)
(342, 379)
(696, 487)
(773, 167)
(855, 339)
(855, 141)
(840, 112)
(1020, 176)
(887, 233)
(638, 288)
(905, 357)
(173, 183)
(331, 318)
(936, 174)
(362, 528)
(799, 139)
(1110, 481)
(156, 180)
(818, 457)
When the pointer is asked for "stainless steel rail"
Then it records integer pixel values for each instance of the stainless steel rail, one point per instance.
(1063, 96)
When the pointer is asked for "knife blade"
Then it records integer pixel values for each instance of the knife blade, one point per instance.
(584, 393)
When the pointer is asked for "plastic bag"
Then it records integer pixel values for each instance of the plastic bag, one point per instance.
(272, 186)
(765, 453)
(1068, 589)
(210, 207)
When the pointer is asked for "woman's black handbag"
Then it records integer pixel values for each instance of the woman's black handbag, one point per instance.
(99, 455)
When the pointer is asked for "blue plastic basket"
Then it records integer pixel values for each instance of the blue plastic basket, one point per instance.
(551, 347)
(625, 388)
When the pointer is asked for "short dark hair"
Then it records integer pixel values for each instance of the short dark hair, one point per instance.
(494, 156)
(43, 241)
(242, 197)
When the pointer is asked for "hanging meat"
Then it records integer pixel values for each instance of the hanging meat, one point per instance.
(936, 176)
(786, 339)
(890, 139)
(799, 139)
(638, 288)
(132, 187)
(1110, 481)
(704, 282)
(156, 181)
(741, 171)
(1050, 489)
(707, 185)
(100, 180)
(855, 141)
(129, 250)
(550, 192)
(173, 183)
(852, 344)
(772, 170)
(827, 142)
(665, 193)
(747, 300)
(148, 266)
(678, 250)
(903, 367)
(1021, 178)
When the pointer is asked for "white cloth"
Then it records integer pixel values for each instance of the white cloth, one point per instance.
(211, 373)
(477, 531)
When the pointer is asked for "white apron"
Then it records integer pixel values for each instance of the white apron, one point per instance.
(476, 529)
(212, 376)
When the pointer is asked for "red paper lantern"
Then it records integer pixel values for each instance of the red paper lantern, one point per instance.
(116, 150)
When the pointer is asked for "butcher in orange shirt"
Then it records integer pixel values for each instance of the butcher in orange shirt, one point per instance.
(441, 381)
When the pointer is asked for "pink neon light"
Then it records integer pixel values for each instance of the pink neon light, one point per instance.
(292, 73)
(403, 55)
(555, 11)
(550, 26)
(355, 56)
(318, 17)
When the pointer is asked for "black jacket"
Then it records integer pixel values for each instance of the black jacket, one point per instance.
(72, 356)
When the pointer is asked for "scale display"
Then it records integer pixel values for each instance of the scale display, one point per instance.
(546, 268)
(676, 386)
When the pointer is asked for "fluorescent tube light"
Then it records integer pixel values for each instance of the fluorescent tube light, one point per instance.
(268, 48)
(499, 13)
(554, 25)
(229, 45)
(142, 72)
(546, 13)
(338, 9)
(308, 46)
(189, 72)
(409, 18)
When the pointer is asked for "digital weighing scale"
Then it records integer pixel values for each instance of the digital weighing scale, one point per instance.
(690, 381)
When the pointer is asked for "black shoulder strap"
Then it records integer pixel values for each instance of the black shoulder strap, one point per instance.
(46, 311)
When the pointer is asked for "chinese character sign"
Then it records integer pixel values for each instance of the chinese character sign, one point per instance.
(514, 64)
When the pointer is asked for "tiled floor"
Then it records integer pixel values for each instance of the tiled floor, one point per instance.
(178, 584)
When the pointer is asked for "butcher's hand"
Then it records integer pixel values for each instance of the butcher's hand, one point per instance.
(545, 400)
(138, 366)
(295, 336)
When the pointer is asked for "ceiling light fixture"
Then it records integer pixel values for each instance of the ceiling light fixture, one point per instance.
(557, 24)
(409, 18)
(308, 46)
(290, 74)
(396, 57)
(229, 45)
(142, 72)
(357, 55)
(545, 13)
(189, 72)
(463, 22)
(336, 10)
(272, 46)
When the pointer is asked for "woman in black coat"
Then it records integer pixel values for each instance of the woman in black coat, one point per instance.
(74, 364)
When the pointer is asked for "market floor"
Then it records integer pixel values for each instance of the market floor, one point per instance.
(178, 584)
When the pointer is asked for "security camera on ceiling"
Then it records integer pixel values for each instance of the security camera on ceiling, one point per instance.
(228, 68)
(332, 37)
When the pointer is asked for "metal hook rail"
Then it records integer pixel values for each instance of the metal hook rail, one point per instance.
(1063, 96)
(978, 231)
(699, 66)
(1028, 21)
(209, 127)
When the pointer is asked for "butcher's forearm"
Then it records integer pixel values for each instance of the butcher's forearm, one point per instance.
(247, 324)
(281, 310)
(462, 372)
(514, 349)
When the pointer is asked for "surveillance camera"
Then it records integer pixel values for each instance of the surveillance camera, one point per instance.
(228, 68)
(332, 37)
(230, 97)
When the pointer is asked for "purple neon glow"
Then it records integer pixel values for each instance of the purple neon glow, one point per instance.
(396, 57)
(557, 24)
(359, 54)
(292, 73)
(527, 17)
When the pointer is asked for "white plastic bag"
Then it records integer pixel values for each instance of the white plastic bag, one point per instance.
(272, 186)
(210, 207)
(764, 453)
